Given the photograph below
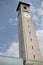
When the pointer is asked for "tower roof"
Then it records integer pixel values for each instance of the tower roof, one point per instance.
(22, 3)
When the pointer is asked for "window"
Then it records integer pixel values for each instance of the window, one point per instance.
(29, 32)
(32, 47)
(25, 7)
(31, 39)
(34, 56)
(27, 20)
(28, 26)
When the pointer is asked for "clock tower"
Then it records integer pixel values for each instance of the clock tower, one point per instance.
(28, 44)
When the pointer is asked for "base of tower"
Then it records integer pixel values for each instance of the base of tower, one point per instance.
(28, 64)
(33, 62)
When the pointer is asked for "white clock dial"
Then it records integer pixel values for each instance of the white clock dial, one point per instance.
(26, 14)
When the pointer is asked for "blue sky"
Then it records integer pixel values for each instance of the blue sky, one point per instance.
(9, 28)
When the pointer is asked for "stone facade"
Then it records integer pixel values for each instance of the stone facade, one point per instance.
(28, 44)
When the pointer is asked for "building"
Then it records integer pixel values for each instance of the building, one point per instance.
(28, 45)
(7, 60)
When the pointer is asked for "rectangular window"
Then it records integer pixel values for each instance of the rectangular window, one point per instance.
(32, 47)
(28, 26)
(29, 32)
(27, 20)
(31, 39)
(34, 56)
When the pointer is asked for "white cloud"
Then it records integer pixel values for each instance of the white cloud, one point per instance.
(16, 19)
(39, 34)
(10, 20)
(24, 0)
(1, 53)
(36, 20)
(35, 17)
(41, 24)
(15, 24)
(13, 50)
(41, 3)
(32, 8)
(40, 11)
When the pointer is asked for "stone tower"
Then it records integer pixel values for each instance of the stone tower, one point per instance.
(28, 44)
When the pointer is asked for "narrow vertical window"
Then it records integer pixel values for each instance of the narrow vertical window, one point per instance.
(27, 20)
(29, 32)
(32, 47)
(34, 56)
(28, 26)
(31, 39)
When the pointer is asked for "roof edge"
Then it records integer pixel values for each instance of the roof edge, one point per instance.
(22, 3)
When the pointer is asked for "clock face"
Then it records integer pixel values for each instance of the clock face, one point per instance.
(26, 14)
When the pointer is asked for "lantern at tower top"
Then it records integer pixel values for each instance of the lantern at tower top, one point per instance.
(22, 3)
